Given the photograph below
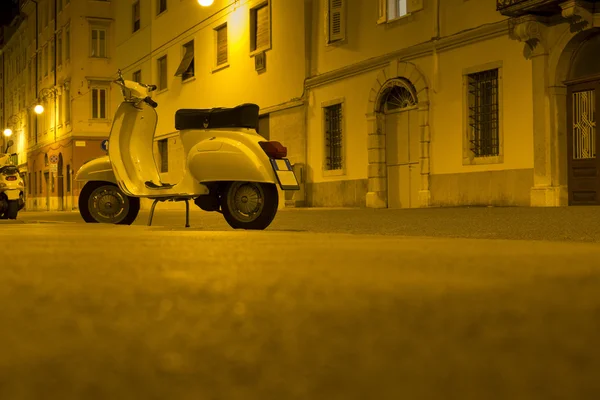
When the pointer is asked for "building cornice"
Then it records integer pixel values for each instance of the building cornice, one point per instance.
(484, 32)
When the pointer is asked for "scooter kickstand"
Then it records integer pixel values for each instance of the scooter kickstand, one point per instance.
(187, 213)
(152, 212)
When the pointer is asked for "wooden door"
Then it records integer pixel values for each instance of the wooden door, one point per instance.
(402, 159)
(582, 143)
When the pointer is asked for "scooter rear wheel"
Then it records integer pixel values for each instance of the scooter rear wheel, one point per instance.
(13, 209)
(249, 205)
(104, 202)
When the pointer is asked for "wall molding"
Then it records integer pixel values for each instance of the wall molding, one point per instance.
(282, 106)
(474, 35)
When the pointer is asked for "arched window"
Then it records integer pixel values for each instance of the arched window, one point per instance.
(397, 95)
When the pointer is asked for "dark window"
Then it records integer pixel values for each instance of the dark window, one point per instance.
(137, 76)
(163, 151)
(162, 73)
(263, 126)
(162, 6)
(186, 67)
(333, 137)
(135, 11)
(483, 113)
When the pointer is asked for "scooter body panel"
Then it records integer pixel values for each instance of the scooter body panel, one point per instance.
(12, 194)
(98, 169)
(230, 156)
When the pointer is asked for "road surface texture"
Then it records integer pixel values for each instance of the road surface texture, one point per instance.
(302, 310)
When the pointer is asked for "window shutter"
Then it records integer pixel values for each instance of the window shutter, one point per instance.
(222, 45)
(337, 23)
(186, 61)
(414, 6)
(262, 27)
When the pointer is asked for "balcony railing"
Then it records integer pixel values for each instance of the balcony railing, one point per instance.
(517, 8)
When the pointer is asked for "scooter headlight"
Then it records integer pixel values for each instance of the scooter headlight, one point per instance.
(2, 184)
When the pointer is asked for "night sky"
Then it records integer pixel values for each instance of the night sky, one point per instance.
(8, 9)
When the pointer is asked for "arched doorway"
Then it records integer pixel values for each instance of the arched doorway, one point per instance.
(399, 105)
(60, 182)
(583, 109)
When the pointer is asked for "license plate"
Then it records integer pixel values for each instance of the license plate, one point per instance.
(11, 178)
(285, 174)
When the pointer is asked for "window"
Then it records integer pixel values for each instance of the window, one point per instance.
(333, 137)
(51, 55)
(264, 126)
(99, 103)
(162, 6)
(186, 67)
(59, 50)
(67, 106)
(336, 21)
(390, 10)
(260, 27)
(46, 60)
(59, 5)
(483, 113)
(67, 42)
(162, 72)
(221, 45)
(135, 12)
(98, 45)
(137, 76)
(163, 151)
(39, 67)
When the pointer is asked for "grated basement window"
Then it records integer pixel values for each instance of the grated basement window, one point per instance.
(333, 137)
(483, 113)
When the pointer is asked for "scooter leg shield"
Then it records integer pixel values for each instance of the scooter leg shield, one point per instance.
(12, 194)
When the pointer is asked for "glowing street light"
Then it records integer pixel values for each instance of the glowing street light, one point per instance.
(38, 109)
(206, 3)
(8, 132)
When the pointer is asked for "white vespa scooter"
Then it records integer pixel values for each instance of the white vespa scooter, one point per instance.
(11, 186)
(229, 168)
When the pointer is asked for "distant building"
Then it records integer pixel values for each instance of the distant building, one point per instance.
(381, 103)
(61, 58)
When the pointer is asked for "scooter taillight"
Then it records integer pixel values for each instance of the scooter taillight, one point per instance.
(274, 149)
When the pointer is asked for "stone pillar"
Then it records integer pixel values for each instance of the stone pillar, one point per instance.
(558, 133)
(377, 173)
(532, 32)
(542, 192)
(425, 135)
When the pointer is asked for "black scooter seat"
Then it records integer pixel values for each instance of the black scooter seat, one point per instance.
(152, 185)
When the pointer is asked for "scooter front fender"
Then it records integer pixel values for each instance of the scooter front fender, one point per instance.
(224, 159)
(12, 194)
(98, 169)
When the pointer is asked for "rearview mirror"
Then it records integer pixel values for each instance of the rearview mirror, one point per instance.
(8, 144)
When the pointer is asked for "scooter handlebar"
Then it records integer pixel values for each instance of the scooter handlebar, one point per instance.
(150, 102)
(151, 88)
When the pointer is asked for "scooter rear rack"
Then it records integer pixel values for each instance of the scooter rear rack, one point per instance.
(161, 199)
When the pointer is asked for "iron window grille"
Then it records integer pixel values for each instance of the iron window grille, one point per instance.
(483, 113)
(333, 137)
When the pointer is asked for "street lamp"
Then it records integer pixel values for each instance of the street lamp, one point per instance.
(205, 3)
(43, 95)
(8, 132)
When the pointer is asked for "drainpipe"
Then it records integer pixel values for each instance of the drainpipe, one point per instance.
(56, 71)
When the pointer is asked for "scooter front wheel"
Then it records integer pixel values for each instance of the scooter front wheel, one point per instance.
(249, 205)
(104, 202)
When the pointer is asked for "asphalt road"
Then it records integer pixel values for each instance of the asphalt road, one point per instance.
(129, 312)
(580, 224)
